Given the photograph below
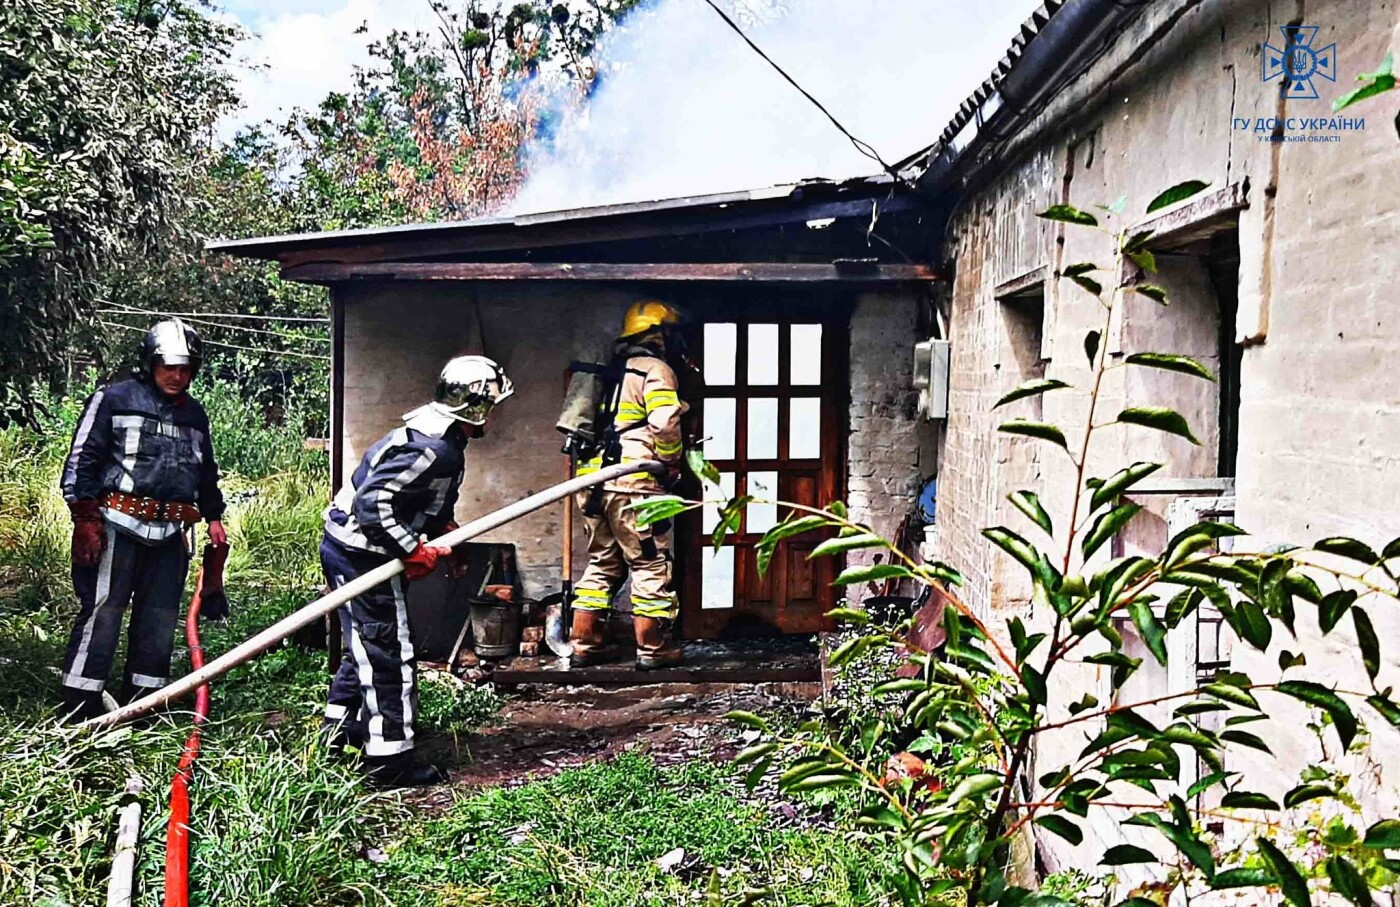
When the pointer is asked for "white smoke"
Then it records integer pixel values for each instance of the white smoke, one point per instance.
(685, 107)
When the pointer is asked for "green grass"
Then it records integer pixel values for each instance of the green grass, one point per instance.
(277, 821)
(591, 836)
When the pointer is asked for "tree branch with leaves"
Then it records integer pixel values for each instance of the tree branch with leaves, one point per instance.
(993, 692)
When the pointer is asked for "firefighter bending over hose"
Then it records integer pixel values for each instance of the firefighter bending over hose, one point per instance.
(646, 426)
(402, 493)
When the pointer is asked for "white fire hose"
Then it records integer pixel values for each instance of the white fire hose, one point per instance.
(123, 879)
(288, 625)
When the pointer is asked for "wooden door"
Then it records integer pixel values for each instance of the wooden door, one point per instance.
(772, 410)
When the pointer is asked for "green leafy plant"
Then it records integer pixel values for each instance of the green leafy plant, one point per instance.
(1372, 84)
(995, 691)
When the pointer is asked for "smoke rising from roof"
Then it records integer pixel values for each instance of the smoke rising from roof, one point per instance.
(684, 107)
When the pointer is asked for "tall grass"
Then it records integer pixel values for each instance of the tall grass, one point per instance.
(276, 488)
(593, 836)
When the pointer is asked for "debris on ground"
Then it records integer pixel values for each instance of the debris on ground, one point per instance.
(544, 730)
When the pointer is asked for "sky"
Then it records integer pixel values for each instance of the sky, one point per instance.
(687, 108)
(298, 51)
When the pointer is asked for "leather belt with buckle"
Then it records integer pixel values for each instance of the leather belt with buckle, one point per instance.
(150, 508)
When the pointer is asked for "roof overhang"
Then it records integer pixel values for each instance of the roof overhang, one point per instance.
(807, 202)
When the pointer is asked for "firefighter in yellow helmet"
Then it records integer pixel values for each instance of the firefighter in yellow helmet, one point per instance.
(646, 426)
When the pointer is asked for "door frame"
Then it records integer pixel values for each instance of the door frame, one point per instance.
(765, 304)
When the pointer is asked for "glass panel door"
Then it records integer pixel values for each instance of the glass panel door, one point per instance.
(770, 413)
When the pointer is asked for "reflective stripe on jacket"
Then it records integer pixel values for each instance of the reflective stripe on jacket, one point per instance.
(405, 487)
(649, 418)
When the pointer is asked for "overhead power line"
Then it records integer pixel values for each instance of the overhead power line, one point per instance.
(863, 147)
(232, 346)
(133, 308)
(222, 327)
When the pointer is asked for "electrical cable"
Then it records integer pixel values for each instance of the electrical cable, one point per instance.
(232, 346)
(127, 305)
(864, 148)
(222, 327)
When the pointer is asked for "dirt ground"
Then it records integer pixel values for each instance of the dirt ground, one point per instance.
(546, 729)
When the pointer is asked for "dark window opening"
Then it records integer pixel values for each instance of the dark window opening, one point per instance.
(1023, 321)
(1223, 264)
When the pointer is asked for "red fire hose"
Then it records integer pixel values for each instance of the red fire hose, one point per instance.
(177, 835)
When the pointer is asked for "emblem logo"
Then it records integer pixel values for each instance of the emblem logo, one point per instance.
(1298, 62)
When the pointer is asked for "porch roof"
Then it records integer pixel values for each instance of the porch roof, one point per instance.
(809, 201)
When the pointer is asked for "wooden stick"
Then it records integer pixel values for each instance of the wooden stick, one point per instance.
(251, 648)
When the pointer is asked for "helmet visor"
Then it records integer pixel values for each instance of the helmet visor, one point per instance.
(472, 411)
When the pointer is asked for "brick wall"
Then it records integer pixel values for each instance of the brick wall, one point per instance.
(891, 449)
(1319, 419)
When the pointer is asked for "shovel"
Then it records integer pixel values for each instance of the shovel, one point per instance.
(557, 606)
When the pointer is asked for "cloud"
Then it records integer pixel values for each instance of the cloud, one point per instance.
(294, 59)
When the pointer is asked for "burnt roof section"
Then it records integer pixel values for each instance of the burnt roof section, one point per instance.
(779, 205)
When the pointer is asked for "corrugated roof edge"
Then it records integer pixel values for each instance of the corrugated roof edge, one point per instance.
(1030, 29)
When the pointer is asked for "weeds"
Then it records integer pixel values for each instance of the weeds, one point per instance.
(593, 836)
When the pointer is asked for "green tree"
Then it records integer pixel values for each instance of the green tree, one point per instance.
(103, 106)
(269, 335)
(435, 126)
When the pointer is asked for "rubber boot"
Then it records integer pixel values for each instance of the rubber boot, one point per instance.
(655, 646)
(588, 638)
(80, 705)
(402, 770)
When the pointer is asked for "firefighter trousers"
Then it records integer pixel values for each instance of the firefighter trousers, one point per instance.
(617, 547)
(374, 694)
(149, 577)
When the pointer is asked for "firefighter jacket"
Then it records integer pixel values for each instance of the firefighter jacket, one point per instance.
(648, 420)
(405, 487)
(132, 438)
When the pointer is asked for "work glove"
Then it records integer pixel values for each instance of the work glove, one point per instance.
(423, 560)
(672, 478)
(89, 535)
(213, 602)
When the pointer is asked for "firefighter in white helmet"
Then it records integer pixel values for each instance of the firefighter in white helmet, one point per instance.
(646, 426)
(403, 492)
(141, 472)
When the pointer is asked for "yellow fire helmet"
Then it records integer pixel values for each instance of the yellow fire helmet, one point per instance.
(645, 314)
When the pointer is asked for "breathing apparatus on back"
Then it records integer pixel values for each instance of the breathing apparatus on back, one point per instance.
(589, 415)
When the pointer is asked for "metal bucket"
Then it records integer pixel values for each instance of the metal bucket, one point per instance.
(496, 628)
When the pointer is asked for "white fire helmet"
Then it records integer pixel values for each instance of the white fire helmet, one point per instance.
(174, 343)
(468, 387)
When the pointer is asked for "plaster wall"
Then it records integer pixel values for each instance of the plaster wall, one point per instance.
(1319, 434)
(398, 336)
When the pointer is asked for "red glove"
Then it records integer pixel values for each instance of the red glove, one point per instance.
(89, 537)
(423, 560)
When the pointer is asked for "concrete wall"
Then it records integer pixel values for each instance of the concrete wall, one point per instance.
(398, 336)
(1320, 415)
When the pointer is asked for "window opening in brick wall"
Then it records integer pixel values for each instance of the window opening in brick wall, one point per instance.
(1023, 321)
(1017, 463)
(1223, 265)
(1202, 278)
